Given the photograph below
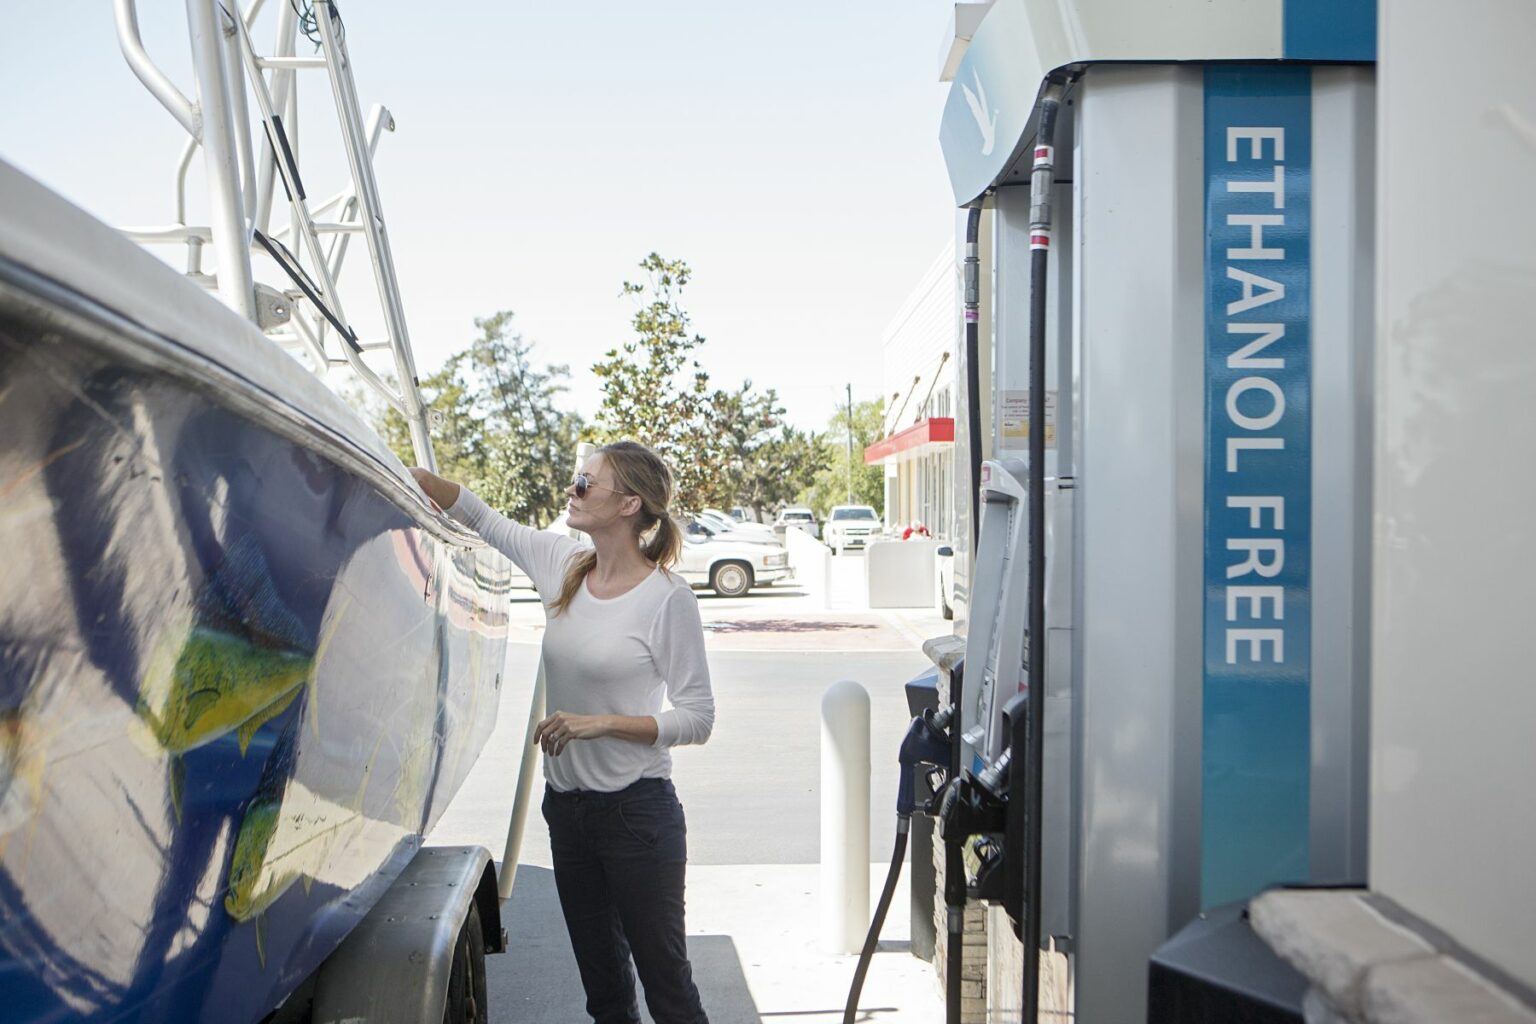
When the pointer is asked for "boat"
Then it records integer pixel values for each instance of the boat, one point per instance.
(244, 662)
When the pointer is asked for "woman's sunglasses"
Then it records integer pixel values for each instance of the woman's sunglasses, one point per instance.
(583, 483)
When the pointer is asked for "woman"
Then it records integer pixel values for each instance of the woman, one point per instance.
(621, 630)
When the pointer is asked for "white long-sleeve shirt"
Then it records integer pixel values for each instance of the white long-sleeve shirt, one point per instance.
(614, 656)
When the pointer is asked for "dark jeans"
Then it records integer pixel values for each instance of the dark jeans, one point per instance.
(619, 862)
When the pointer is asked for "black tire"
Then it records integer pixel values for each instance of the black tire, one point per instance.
(467, 998)
(945, 611)
(731, 579)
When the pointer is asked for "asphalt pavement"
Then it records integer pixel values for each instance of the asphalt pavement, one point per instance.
(752, 800)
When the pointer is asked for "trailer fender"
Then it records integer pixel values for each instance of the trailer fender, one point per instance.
(394, 966)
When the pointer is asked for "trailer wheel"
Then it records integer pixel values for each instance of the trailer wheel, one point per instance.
(731, 579)
(466, 979)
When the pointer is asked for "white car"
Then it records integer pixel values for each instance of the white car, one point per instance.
(851, 526)
(729, 562)
(730, 565)
(944, 578)
(800, 518)
(722, 523)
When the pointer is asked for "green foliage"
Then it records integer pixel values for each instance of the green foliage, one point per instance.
(725, 447)
(656, 393)
(765, 461)
(830, 484)
(500, 432)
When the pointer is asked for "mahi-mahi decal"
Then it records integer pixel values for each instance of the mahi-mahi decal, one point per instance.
(21, 773)
(286, 835)
(219, 683)
(234, 665)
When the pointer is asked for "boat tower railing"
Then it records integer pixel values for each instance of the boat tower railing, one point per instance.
(306, 316)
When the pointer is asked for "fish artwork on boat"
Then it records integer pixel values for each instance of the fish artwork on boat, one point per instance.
(285, 836)
(21, 773)
(235, 663)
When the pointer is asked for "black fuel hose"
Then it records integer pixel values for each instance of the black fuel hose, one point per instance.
(1042, 180)
(903, 825)
(954, 870)
(972, 368)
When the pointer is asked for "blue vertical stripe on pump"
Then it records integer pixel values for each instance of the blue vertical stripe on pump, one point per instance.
(1257, 601)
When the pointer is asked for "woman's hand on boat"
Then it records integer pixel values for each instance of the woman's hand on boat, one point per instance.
(442, 492)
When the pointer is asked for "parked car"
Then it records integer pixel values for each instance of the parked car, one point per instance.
(944, 577)
(729, 562)
(725, 524)
(743, 515)
(851, 526)
(800, 518)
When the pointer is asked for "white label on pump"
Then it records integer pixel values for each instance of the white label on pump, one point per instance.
(1016, 416)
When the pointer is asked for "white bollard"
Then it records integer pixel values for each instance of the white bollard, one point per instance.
(844, 817)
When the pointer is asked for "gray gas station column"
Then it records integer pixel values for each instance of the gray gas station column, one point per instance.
(1209, 365)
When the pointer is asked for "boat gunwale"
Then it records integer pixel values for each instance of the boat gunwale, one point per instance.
(25, 291)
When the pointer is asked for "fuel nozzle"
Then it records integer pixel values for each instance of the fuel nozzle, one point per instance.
(994, 777)
(977, 804)
(927, 743)
(969, 809)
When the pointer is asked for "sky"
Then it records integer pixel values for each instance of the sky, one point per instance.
(787, 151)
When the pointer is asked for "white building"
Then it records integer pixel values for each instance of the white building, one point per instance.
(918, 373)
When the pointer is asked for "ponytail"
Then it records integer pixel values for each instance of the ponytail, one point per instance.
(666, 544)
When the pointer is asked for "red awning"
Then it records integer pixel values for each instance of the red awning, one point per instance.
(921, 438)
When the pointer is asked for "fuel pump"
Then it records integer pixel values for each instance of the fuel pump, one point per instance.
(985, 804)
(1012, 724)
(964, 764)
(1175, 307)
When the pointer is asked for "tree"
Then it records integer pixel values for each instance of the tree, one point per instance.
(498, 429)
(766, 461)
(782, 467)
(530, 441)
(656, 393)
(830, 485)
(455, 430)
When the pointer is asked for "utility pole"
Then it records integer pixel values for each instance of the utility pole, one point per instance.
(850, 443)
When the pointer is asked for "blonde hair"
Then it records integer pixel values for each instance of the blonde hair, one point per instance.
(642, 473)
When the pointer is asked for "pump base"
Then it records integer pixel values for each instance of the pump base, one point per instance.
(1217, 971)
